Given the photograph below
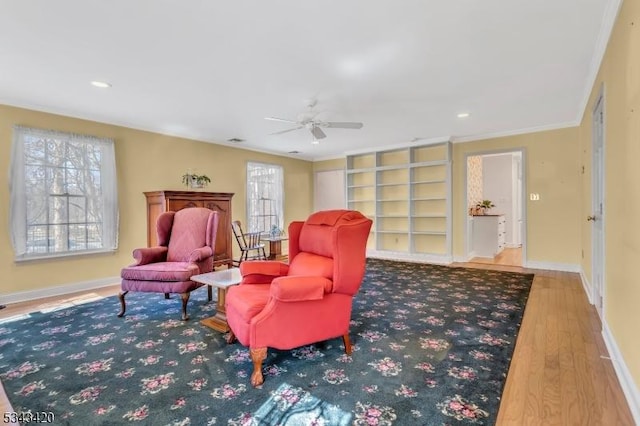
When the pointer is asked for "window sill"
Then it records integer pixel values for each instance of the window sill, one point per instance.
(61, 256)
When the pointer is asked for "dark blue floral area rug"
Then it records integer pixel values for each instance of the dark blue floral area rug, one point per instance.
(432, 346)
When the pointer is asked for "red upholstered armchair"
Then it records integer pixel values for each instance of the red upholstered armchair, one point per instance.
(186, 241)
(309, 300)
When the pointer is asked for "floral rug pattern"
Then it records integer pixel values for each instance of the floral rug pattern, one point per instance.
(432, 346)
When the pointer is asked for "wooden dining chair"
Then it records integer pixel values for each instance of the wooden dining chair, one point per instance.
(249, 243)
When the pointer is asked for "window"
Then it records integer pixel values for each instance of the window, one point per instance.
(265, 190)
(63, 194)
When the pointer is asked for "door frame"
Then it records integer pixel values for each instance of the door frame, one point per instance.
(598, 254)
(523, 199)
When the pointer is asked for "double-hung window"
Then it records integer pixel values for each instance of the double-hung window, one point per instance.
(265, 189)
(63, 194)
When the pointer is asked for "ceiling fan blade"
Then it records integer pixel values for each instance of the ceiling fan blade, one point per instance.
(343, 125)
(317, 132)
(280, 119)
(288, 130)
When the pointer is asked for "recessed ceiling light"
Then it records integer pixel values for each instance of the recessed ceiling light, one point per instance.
(101, 84)
(463, 115)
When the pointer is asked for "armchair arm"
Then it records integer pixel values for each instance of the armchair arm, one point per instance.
(262, 271)
(200, 254)
(299, 288)
(146, 255)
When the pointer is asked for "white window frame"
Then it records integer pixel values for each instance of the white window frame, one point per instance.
(265, 196)
(53, 222)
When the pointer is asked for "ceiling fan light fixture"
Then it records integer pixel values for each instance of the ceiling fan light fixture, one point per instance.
(315, 141)
(313, 125)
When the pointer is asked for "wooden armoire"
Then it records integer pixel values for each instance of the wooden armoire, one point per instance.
(163, 201)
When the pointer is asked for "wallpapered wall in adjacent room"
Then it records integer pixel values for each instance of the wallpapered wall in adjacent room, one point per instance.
(474, 180)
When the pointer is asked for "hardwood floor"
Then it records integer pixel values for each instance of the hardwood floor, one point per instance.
(508, 257)
(560, 373)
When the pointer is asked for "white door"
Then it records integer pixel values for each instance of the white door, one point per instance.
(329, 190)
(597, 212)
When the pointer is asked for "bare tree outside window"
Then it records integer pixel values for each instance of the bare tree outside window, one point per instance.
(265, 189)
(63, 193)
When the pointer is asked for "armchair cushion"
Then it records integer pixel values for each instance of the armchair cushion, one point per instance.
(249, 300)
(147, 255)
(161, 271)
(311, 264)
(297, 289)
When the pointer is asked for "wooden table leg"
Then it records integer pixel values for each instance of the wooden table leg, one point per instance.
(219, 320)
(275, 249)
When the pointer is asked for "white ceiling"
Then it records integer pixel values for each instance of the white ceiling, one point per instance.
(212, 70)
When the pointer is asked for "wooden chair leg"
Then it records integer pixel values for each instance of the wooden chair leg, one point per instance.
(185, 299)
(123, 306)
(347, 344)
(257, 356)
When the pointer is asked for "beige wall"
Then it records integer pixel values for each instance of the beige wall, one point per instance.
(552, 164)
(335, 164)
(145, 162)
(619, 74)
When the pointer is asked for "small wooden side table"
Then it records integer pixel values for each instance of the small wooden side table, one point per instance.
(275, 246)
(222, 279)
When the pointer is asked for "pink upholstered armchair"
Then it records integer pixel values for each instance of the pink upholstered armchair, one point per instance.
(186, 241)
(285, 306)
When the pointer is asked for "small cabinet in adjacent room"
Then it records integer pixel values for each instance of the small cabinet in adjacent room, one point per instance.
(163, 201)
(488, 235)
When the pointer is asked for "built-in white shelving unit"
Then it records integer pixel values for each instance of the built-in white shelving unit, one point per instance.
(407, 193)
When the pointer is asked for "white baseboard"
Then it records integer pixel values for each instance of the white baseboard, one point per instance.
(586, 285)
(24, 296)
(463, 259)
(410, 257)
(627, 383)
(551, 266)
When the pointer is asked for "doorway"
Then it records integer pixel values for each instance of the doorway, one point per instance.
(597, 206)
(329, 190)
(495, 235)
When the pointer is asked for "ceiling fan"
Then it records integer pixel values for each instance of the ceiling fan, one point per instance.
(308, 121)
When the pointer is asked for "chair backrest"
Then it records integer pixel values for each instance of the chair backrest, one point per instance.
(236, 227)
(331, 243)
(246, 240)
(193, 228)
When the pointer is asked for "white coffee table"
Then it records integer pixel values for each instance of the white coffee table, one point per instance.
(222, 279)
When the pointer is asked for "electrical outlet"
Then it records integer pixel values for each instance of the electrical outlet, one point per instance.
(534, 196)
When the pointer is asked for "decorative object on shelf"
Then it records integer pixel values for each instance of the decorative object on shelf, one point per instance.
(192, 180)
(484, 206)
